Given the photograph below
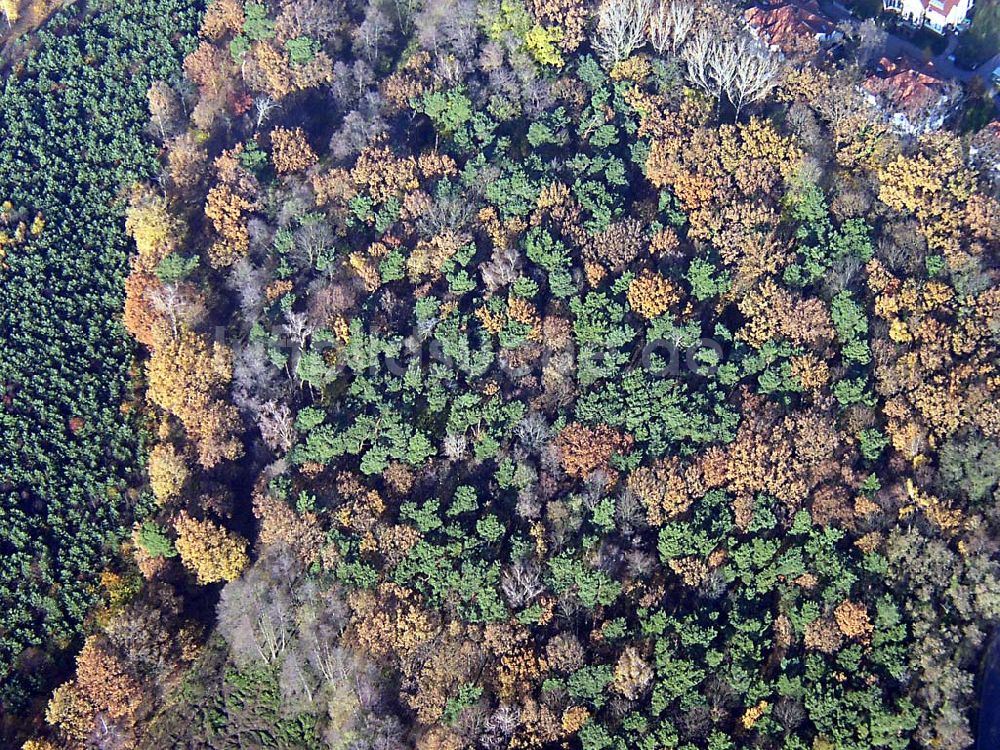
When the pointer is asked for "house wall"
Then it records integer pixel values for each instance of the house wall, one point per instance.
(954, 17)
(920, 12)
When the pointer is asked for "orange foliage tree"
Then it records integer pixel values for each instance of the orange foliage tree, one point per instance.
(290, 151)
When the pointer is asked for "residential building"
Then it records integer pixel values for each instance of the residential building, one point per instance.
(912, 96)
(937, 15)
(792, 26)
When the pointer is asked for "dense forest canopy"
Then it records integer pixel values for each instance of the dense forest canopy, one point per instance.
(522, 375)
(72, 117)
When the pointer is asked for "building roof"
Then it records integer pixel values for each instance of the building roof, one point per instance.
(789, 25)
(944, 7)
(906, 86)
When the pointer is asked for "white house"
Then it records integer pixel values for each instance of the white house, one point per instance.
(938, 15)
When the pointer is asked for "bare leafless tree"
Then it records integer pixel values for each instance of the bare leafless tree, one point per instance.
(312, 239)
(317, 19)
(360, 127)
(502, 268)
(740, 69)
(670, 23)
(179, 304)
(256, 378)
(533, 432)
(165, 109)
(499, 727)
(621, 29)
(521, 583)
(453, 212)
(723, 64)
(369, 34)
(298, 682)
(697, 55)
(755, 73)
(248, 282)
(869, 38)
(107, 734)
(262, 107)
(298, 328)
(454, 447)
(321, 623)
(276, 426)
(405, 9)
(256, 617)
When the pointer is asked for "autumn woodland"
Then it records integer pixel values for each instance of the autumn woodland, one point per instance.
(464, 374)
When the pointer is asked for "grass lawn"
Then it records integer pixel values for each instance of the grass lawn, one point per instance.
(982, 40)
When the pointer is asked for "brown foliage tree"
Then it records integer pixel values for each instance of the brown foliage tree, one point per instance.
(226, 209)
(222, 18)
(852, 619)
(290, 151)
(267, 69)
(585, 449)
(140, 316)
(186, 161)
(280, 524)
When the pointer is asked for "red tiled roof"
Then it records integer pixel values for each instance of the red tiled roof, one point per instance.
(944, 7)
(905, 86)
(788, 24)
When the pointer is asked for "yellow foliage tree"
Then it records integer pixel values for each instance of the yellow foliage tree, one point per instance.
(651, 295)
(168, 471)
(632, 674)
(11, 10)
(933, 184)
(68, 711)
(209, 551)
(187, 378)
(155, 230)
(661, 489)
(37, 744)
